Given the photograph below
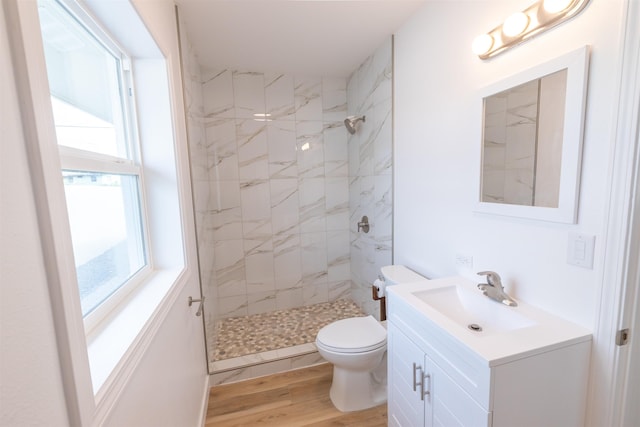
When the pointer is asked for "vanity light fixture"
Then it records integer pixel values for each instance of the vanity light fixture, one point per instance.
(555, 6)
(482, 44)
(521, 26)
(515, 24)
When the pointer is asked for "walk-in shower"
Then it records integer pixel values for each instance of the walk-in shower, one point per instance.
(274, 223)
(351, 122)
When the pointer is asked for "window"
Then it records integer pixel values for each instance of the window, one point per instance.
(91, 96)
(111, 188)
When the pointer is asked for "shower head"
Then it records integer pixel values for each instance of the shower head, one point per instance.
(351, 121)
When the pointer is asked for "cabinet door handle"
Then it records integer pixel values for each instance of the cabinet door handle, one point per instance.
(428, 391)
(415, 376)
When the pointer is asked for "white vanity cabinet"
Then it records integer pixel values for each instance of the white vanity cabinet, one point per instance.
(420, 393)
(437, 376)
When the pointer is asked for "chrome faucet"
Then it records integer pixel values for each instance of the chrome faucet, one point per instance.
(494, 289)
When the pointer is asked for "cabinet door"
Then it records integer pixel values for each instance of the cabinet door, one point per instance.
(447, 404)
(405, 407)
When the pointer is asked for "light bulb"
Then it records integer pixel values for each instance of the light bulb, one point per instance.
(555, 6)
(515, 24)
(482, 44)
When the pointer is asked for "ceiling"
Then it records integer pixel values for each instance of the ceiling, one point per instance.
(303, 37)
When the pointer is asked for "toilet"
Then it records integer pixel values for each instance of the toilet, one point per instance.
(357, 348)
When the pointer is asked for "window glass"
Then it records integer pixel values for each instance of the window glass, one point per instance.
(86, 85)
(108, 244)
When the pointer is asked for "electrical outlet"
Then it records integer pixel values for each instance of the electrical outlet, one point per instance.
(464, 261)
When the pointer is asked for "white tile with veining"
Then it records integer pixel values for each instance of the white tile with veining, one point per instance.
(315, 293)
(336, 149)
(222, 149)
(230, 268)
(289, 298)
(314, 258)
(217, 93)
(281, 137)
(287, 261)
(279, 96)
(260, 272)
(248, 94)
(261, 302)
(296, 350)
(382, 144)
(367, 195)
(340, 290)
(228, 377)
(383, 211)
(226, 224)
(259, 229)
(337, 203)
(307, 360)
(312, 197)
(255, 199)
(383, 253)
(233, 306)
(308, 98)
(285, 206)
(198, 151)
(355, 209)
(366, 136)
(224, 195)
(253, 161)
(334, 99)
(270, 368)
(310, 150)
(338, 256)
(366, 84)
(200, 195)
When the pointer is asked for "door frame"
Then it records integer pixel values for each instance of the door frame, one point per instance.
(610, 384)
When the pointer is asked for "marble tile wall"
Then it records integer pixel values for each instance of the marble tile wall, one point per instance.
(369, 92)
(277, 214)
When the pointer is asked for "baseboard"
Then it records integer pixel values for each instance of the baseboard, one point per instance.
(205, 401)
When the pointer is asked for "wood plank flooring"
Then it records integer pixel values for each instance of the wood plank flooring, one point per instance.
(294, 398)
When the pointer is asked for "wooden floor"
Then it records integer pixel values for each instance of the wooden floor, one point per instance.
(294, 398)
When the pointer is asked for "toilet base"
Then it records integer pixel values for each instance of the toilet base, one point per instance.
(357, 390)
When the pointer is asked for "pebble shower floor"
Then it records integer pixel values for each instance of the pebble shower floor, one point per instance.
(239, 336)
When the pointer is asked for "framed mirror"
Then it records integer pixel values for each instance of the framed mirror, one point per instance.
(531, 146)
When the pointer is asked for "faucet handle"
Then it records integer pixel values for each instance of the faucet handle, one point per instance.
(493, 278)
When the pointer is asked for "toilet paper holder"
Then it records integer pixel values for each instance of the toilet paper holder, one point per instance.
(382, 299)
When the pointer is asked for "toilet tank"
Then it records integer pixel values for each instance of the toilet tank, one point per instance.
(395, 274)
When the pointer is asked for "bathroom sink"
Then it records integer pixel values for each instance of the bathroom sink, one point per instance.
(504, 334)
(470, 309)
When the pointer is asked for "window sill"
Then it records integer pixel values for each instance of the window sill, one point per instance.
(114, 347)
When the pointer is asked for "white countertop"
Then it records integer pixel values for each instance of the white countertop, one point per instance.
(544, 332)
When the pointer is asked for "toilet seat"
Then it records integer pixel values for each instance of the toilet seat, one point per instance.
(354, 335)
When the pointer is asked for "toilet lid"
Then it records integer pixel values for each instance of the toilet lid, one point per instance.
(357, 334)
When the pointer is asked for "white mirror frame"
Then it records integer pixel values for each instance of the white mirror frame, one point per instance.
(577, 64)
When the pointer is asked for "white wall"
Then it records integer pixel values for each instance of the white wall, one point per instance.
(169, 385)
(31, 387)
(437, 132)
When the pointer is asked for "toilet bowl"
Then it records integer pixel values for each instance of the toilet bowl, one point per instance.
(357, 348)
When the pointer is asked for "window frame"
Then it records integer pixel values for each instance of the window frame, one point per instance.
(75, 159)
